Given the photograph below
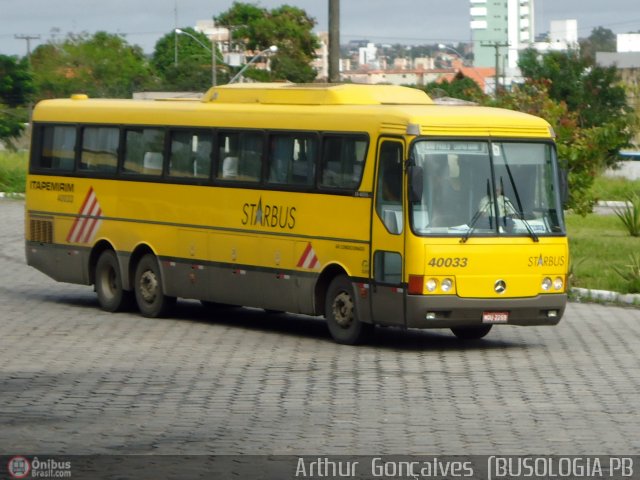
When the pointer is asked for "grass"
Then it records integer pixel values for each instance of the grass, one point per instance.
(13, 171)
(597, 244)
(614, 188)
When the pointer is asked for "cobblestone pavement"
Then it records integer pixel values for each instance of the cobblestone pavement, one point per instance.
(74, 379)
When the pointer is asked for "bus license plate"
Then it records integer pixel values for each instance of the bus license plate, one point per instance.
(495, 317)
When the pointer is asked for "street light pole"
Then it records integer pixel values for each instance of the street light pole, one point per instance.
(212, 49)
(271, 49)
(442, 46)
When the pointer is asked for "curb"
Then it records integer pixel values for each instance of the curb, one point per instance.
(11, 195)
(613, 203)
(606, 296)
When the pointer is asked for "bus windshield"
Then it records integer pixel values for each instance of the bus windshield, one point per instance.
(486, 188)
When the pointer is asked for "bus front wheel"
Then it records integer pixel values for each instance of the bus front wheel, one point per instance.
(108, 283)
(341, 313)
(150, 297)
(471, 333)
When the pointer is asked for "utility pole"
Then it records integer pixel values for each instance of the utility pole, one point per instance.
(28, 38)
(334, 41)
(497, 46)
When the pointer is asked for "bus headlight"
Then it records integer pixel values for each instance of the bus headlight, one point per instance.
(431, 284)
(546, 284)
(446, 285)
(558, 283)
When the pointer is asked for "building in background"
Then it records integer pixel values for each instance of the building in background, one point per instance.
(627, 61)
(321, 61)
(368, 56)
(501, 28)
(628, 42)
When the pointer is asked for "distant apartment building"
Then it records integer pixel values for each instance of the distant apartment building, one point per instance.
(398, 77)
(321, 61)
(562, 36)
(501, 27)
(424, 63)
(368, 56)
(628, 42)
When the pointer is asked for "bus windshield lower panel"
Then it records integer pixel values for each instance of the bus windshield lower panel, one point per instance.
(486, 188)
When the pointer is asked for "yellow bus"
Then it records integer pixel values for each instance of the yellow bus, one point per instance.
(368, 205)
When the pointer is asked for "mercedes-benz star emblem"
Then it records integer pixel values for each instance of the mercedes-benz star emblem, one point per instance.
(500, 286)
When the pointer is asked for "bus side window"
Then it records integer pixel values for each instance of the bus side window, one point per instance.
(240, 156)
(342, 161)
(144, 151)
(292, 160)
(190, 155)
(99, 151)
(389, 195)
(57, 150)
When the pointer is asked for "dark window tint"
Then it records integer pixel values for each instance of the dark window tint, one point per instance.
(292, 159)
(99, 149)
(389, 195)
(240, 156)
(190, 155)
(343, 161)
(144, 151)
(57, 150)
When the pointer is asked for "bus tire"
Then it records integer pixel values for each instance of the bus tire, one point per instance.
(342, 316)
(474, 332)
(108, 284)
(150, 297)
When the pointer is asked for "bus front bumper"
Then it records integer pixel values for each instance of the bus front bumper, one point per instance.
(445, 311)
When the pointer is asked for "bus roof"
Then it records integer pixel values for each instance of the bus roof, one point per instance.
(316, 94)
(344, 107)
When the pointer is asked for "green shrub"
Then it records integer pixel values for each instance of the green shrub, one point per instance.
(630, 215)
(13, 172)
(632, 273)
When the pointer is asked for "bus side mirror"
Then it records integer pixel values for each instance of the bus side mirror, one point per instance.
(564, 186)
(416, 180)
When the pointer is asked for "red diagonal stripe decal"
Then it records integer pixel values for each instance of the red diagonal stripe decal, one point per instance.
(303, 258)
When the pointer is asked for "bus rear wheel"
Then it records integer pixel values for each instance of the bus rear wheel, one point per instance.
(342, 316)
(150, 297)
(108, 283)
(471, 333)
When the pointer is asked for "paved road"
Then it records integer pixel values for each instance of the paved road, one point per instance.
(74, 379)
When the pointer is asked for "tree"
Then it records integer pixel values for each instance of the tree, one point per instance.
(287, 27)
(100, 65)
(585, 151)
(591, 91)
(16, 89)
(192, 72)
(601, 40)
(461, 87)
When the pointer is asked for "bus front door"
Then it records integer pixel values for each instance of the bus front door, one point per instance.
(387, 293)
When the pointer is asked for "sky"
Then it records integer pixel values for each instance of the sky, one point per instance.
(143, 22)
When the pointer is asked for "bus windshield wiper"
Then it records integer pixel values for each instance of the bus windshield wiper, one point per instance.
(520, 211)
(472, 223)
(527, 225)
